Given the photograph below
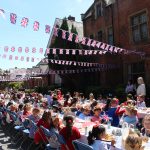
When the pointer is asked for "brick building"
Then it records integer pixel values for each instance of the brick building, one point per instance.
(125, 24)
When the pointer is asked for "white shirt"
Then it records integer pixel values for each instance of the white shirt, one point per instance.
(141, 90)
(100, 145)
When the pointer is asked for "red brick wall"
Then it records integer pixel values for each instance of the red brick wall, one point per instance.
(122, 11)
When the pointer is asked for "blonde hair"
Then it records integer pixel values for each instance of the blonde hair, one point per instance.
(133, 141)
(131, 109)
(140, 80)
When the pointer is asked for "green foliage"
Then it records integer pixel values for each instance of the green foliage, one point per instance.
(15, 85)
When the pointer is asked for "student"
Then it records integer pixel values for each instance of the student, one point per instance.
(112, 112)
(141, 101)
(45, 121)
(96, 117)
(69, 132)
(146, 126)
(85, 112)
(133, 142)
(95, 139)
(130, 116)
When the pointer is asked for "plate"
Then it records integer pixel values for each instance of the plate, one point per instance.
(108, 138)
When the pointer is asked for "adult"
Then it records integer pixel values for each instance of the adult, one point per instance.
(141, 90)
(130, 88)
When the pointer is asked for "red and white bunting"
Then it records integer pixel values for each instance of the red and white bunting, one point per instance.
(54, 51)
(63, 34)
(70, 37)
(77, 39)
(83, 41)
(60, 51)
(93, 43)
(67, 51)
(89, 42)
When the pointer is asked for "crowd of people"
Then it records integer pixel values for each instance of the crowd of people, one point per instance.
(57, 112)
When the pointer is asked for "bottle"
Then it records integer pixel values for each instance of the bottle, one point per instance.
(108, 124)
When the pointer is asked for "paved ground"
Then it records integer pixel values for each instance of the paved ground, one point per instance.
(5, 142)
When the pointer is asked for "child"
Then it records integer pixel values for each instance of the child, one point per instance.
(85, 113)
(45, 121)
(146, 123)
(130, 115)
(96, 136)
(96, 117)
(141, 101)
(133, 142)
(69, 132)
(112, 112)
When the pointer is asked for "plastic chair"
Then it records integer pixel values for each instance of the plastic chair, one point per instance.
(81, 146)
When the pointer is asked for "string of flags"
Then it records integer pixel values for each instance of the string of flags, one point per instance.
(21, 58)
(76, 71)
(75, 63)
(26, 49)
(25, 22)
(92, 43)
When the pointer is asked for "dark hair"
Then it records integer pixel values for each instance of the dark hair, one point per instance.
(73, 101)
(107, 104)
(96, 131)
(69, 123)
(46, 116)
(20, 107)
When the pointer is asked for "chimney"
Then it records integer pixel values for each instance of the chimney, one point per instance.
(71, 18)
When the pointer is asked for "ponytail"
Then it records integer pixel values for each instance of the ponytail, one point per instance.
(96, 131)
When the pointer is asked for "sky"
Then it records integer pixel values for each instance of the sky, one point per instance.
(43, 11)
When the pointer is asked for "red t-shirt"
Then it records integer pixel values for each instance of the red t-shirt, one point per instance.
(39, 135)
(75, 135)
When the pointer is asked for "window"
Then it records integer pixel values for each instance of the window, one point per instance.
(98, 10)
(110, 36)
(100, 36)
(91, 36)
(139, 27)
(136, 70)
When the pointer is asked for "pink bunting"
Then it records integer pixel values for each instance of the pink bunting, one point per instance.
(13, 18)
(67, 51)
(22, 58)
(6, 48)
(107, 47)
(27, 49)
(41, 50)
(63, 34)
(20, 49)
(98, 44)
(16, 57)
(77, 39)
(93, 43)
(33, 50)
(111, 48)
(83, 41)
(54, 51)
(70, 37)
(47, 51)
(55, 31)
(10, 57)
(47, 29)
(103, 46)
(89, 42)
(36, 26)
(73, 52)
(27, 59)
(24, 22)
(60, 51)
(13, 49)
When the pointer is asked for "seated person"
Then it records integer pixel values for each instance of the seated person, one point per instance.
(130, 115)
(95, 139)
(112, 112)
(45, 121)
(133, 142)
(69, 132)
(96, 117)
(146, 123)
(141, 101)
(86, 112)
